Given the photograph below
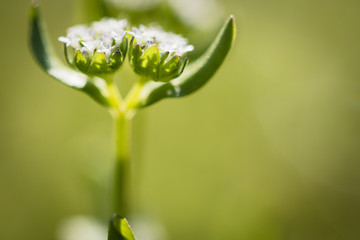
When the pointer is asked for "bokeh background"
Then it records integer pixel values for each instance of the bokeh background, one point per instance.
(269, 149)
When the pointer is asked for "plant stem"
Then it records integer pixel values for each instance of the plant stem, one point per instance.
(123, 112)
(115, 96)
(133, 96)
(122, 169)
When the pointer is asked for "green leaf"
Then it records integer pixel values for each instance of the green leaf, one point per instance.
(43, 53)
(116, 60)
(170, 69)
(134, 54)
(148, 65)
(99, 64)
(183, 65)
(196, 74)
(119, 229)
(80, 62)
(124, 46)
(163, 57)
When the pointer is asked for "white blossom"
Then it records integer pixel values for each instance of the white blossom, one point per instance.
(167, 42)
(101, 36)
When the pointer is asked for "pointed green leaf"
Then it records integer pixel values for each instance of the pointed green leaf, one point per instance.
(43, 53)
(163, 57)
(170, 69)
(99, 64)
(81, 62)
(116, 60)
(134, 55)
(150, 62)
(119, 229)
(124, 45)
(183, 65)
(148, 65)
(131, 47)
(196, 74)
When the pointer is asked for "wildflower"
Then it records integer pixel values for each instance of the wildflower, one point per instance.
(99, 48)
(157, 55)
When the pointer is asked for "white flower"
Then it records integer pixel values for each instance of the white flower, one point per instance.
(101, 36)
(166, 41)
(157, 55)
(99, 48)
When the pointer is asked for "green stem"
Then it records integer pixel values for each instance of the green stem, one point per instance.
(115, 96)
(123, 112)
(122, 169)
(132, 98)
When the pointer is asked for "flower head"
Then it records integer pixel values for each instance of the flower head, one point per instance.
(99, 48)
(156, 54)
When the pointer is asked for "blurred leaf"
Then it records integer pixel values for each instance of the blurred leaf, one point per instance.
(119, 229)
(196, 74)
(41, 49)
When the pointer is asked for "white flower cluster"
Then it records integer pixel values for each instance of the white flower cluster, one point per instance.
(102, 36)
(167, 42)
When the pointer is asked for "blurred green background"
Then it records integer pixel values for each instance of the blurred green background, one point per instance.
(269, 149)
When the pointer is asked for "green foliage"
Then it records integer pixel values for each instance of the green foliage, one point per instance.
(153, 65)
(170, 69)
(81, 62)
(99, 64)
(119, 229)
(197, 73)
(42, 51)
(147, 62)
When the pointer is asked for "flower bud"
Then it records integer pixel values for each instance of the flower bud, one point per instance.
(157, 55)
(98, 49)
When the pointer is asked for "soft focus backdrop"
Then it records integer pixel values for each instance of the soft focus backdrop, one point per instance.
(269, 149)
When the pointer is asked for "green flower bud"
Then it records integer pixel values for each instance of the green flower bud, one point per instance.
(157, 55)
(98, 49)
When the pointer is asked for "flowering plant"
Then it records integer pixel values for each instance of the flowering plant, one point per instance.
(99, 49)
(95, 52)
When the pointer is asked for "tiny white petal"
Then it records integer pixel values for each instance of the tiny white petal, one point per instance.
(99, 36)
(167, 42)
